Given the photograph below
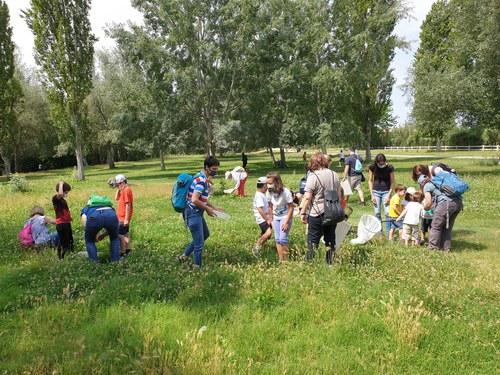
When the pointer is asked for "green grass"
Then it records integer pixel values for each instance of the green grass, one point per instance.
(382, 309)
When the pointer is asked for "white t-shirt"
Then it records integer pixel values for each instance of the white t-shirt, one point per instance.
(412, 213)
(280, 202)
(259, 200)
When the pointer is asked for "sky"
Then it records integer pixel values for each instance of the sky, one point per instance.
(106, 12)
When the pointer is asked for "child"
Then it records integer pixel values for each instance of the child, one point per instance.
(260, 211)
(411, 215)
(395, 209)
(39, 231)
(124, 212)
(426, 223)
(63, 219)
(281, 213)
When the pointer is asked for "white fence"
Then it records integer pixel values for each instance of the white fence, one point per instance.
(443, 148)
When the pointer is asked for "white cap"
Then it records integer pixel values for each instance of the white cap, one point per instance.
(120, 178)
(411, 190)
(262, 180)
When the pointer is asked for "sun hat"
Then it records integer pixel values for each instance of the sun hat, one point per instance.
(411, 190)
(120, 178)
(262, 180)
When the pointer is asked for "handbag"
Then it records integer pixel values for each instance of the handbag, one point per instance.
(334, 212)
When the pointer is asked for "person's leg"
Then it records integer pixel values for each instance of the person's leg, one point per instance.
(198, 247)
(378, 205)
(93, 226)
(196, 227)
(356, 185)
(277, 235)
(392, 229)
(65, 239)
(329, 233)
(111, 225)
(284, 241)
(454, 209)
(314, 233)
(437, 226)
(54, 239)
(385, 208)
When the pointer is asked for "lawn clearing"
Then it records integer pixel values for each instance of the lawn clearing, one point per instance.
(382, 308)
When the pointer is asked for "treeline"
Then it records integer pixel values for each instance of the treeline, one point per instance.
(455, 78)
(205, 76)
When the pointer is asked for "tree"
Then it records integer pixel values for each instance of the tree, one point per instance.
(10, 89)
(368, 45)
(64, 50)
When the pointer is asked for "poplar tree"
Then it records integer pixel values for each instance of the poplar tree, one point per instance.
(10, 89)
(64, 50)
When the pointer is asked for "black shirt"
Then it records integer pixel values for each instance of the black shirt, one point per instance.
(381, 177)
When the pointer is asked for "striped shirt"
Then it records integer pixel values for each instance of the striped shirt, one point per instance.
(200, 185)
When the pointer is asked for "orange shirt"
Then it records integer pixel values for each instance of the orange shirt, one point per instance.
(125, 196)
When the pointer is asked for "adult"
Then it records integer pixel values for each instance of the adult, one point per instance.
(244, 160)
(320, 179)
(420, 173)
(124, 211)
(42, 237)
(94, 219)
(381, 183)
(446, 210)
(280, 200)
(353, 177)
(193, 214)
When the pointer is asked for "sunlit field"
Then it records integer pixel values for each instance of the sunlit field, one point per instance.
(381, 309)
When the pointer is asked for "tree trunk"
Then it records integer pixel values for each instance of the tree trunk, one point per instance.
(323, 149)
(438, 145)
(282, 156)
(111, 157)
(272, 155)
(6, 164)
(17, 167)
(368, 156)
(78, 149)
(162, 160)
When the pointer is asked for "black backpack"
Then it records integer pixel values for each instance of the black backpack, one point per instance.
(334, 212)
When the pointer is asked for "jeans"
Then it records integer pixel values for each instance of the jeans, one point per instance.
(199, 231)
(315, 230)
(99, 219)
(280, 237)
(380, 197)
(440, 233)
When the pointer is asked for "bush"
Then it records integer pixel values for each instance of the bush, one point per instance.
(18, 183)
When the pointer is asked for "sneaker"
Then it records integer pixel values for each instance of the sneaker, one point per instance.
(182, 258)
(363, 203)
(421, 242)
(255, 252)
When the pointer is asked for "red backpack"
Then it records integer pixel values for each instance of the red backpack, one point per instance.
(24, 236)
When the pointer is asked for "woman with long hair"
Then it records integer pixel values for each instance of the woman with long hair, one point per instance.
(281, 213)
(381, 183)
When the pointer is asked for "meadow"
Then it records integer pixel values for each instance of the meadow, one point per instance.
(381, 309)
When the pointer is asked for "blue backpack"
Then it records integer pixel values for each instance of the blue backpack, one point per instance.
(180, 191)
(449, 184)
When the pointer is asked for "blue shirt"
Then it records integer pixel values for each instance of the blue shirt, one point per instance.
(200, 185)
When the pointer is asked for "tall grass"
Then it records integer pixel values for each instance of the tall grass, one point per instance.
(382, 308)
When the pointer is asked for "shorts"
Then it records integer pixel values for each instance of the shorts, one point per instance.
(123, 230)
(410, 232)
(264, 227)
(355, 182)
(426, 225)
(395, 224)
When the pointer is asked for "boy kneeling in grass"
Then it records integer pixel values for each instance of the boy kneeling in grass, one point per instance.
(261, 213)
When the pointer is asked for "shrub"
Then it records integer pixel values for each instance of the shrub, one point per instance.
(18, 183)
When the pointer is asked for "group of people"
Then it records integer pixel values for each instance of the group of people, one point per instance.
(94, 218)
(273, 208)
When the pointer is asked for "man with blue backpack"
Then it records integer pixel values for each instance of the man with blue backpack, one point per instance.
(353, 172)
(195, 204)
(444, 190)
